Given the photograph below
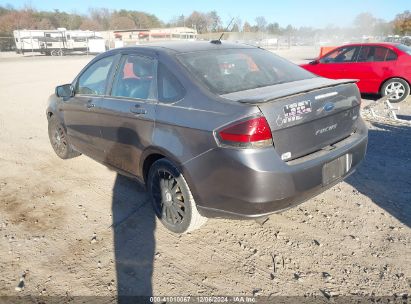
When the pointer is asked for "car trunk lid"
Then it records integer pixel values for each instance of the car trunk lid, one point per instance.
(306, 116)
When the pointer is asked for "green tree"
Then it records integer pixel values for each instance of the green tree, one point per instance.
(273, 28)
(92, 25)
(213, 22)
(402, 23)
(199, 21)
(238, 25)
(235, 28)
(365, 23)
(383, 28)
(102, 16)
(119, 22)
(246, 27)
(261, 23)
(181, 21)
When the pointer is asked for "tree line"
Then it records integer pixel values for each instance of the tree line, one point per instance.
(100, 19)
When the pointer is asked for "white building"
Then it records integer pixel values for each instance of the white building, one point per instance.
(136, 36)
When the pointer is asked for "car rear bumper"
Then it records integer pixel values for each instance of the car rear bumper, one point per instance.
(235, 183)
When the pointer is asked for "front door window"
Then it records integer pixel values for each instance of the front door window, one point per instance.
(94, 80)
(135, 79)
(341, 55)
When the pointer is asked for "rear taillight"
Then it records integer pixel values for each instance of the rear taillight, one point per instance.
(253, 132)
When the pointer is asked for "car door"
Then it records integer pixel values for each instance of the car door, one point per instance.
(127, 114)
(337, 64)
(374, 64)
(81, 112)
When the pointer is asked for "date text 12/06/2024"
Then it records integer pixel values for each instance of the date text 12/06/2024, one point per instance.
(203, 299)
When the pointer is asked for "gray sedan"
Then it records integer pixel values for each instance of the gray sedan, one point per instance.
(213, 129)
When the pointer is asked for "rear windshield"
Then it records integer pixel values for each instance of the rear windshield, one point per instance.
(231, 70)
(404, 48)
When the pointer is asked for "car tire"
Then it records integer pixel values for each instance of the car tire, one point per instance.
(171, 197)
(396, 84)
(58, 140)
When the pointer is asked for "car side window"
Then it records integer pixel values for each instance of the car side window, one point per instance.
(366, 54)
(93, 80)
(375, 54)
(380, 53)
(135, 78)
(391, 56)
(341, 55)
(169, 87)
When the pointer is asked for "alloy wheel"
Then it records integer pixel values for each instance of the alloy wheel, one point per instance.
(58, 140)
(170, 202)
(397, 88)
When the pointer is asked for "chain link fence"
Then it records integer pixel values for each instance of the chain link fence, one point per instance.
(262, 39)
(7, 44)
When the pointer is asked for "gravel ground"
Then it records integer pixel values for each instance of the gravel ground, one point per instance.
(74, 227)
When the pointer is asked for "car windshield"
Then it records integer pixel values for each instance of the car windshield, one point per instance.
(231, 70)
(404, 48)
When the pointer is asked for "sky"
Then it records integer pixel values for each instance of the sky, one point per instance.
(315, 13)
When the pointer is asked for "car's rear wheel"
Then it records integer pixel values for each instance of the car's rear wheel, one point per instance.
(171, 197)
(396, 86)
(58, 140)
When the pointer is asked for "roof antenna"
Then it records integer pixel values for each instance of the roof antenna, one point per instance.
(218, 41)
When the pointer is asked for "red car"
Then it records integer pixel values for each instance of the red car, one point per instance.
(381, 68)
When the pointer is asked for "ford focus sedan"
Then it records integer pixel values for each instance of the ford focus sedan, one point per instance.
(213, 129)
(381, 68)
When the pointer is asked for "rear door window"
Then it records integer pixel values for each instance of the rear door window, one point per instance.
(380, 53)
(375, 54)
(391, 56)
(135, 78)
(170, 88)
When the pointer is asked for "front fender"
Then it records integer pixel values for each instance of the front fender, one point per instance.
(52, 107)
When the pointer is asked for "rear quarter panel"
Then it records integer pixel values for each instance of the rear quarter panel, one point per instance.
(185, 130)
(404, 67)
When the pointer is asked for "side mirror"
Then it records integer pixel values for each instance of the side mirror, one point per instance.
(316, 61)
(65, 90)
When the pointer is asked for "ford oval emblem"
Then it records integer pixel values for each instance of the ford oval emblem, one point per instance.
(329, 106)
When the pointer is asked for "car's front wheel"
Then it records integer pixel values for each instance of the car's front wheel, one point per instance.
(58, 140)
(397, 87)
(171, 197)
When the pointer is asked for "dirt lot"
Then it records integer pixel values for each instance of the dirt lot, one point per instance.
(75, 228)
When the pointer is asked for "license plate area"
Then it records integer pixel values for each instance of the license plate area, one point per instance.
(336, 168)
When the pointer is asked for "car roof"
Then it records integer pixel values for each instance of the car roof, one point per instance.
(391, 44)
(188, 46)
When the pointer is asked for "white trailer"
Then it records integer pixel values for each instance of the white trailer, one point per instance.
(56, 42)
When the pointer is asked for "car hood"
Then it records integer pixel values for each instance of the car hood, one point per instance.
(264, 94)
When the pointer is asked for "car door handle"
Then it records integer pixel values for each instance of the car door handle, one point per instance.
(138, 110)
